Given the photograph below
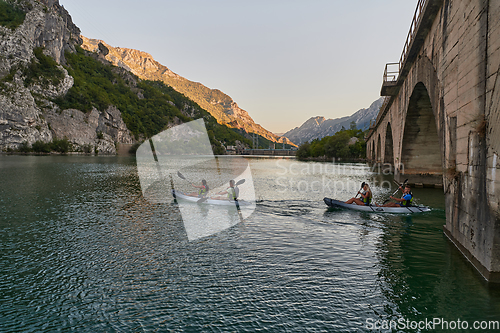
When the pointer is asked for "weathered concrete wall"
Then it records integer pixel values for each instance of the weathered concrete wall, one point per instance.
(445, 123)
(492, 128)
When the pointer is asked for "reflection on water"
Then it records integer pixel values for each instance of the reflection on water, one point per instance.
(82, 249)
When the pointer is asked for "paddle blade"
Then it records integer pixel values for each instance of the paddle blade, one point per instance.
(202, 200)
(395, 182)
(239, 182)
(362, 185)
(181, 175)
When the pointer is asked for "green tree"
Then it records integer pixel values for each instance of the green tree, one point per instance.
(337, 145)
(304, 151)
(316, 148)
(41, 147)
(353, 126)
(61, 145)
(10, 16)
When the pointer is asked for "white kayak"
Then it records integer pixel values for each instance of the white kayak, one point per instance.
(183, 196)
(374, 209)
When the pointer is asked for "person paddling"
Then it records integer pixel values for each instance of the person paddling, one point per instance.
(232, 192)
(405, 201)
(366, 196)
(203, 190)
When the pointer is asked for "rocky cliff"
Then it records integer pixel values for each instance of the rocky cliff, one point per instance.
(31, 76)
(220, 105)
(319, 127)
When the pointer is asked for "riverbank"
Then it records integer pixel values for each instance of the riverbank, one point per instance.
(330, 159)
(55, 153)
(122, 149)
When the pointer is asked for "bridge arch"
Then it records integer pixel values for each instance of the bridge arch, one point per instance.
(373, 151)
(421, 149)
(443, 107)
(389, 146)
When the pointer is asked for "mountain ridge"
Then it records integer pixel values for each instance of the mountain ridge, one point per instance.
(56, 96)
(318, 127)
(216, 102)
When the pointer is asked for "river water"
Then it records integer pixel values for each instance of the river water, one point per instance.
(83, 250)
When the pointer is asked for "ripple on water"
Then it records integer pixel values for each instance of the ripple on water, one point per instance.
(82, 250)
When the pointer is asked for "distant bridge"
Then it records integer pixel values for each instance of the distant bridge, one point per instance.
(440, 121)
(269, 152)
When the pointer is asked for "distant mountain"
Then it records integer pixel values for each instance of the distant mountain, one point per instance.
(319, 127)
(217, 103)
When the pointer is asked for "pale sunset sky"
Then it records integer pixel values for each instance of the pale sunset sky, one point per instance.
(282, 61)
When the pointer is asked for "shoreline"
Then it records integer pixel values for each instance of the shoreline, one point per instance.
(3, 153)
(58, 153)
(333, 159)
(309, 159)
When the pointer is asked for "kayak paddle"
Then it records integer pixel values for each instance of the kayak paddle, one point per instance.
(395, 182)
(239, 182)
(362, 185)
(181, 175)
(396, 190)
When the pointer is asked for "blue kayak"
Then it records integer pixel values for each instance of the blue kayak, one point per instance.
(374, 209)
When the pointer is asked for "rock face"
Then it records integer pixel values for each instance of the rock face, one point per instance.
(26, 112)
(101, 130)
(319, 127)
(20, 118)
(220, 105)
(46, 25)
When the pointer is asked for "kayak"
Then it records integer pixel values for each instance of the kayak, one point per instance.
(374, 209)
(183, 196)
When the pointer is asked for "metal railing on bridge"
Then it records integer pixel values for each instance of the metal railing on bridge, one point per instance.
(391, 72)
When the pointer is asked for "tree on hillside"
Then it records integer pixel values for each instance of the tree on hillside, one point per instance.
(336, 145)
(304, 151)
(353, 126)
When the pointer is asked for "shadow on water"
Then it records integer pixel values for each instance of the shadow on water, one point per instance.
(420, 273)
(423, 276)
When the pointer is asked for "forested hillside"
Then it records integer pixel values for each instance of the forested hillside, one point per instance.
(147, 107)
(345, 144)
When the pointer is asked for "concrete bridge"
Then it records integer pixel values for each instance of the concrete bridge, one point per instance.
(440, 122)
(269, 152)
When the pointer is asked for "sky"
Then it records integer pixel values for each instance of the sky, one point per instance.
(283, 61)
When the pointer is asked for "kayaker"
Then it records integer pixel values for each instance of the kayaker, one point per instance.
(405, 201)
(365, 199)
(203, 190)
(232, 192)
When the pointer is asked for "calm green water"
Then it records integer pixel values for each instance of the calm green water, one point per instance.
(81, 250)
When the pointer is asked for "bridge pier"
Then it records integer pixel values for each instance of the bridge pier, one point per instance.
(420, 179)
(441, 119)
